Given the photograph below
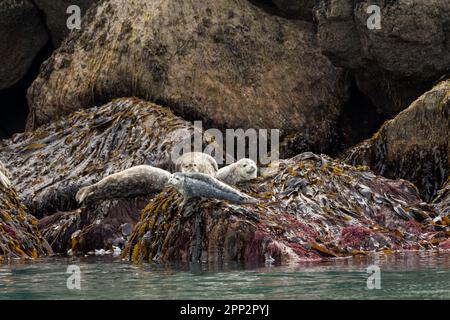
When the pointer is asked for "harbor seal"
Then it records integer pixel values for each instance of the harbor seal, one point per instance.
(4, 176)
(243, 170)
(196, 162)
(194, 184)
(136, 181)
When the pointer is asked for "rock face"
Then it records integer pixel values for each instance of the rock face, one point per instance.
(22, 35)
(56, 15)
(19, 235)
(414, 145)
(301, 9)
(311, 207)
(225, 62)
(395, 64)
(51, 164)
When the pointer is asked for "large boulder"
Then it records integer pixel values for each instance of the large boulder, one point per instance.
(395, 64)
(414, 145)
(19, 234)
(225, 62)
(49, 165)
(56, 16)
(311, 207)
(22, 36)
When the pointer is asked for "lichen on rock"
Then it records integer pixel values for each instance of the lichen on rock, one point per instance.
(225, 62)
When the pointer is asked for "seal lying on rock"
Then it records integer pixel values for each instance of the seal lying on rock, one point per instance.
(136, 181)
(243, 170)
(196, 162)
(4, 176)
(192, 185)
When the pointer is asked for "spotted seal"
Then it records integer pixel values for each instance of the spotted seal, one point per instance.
(196, 185)
(240, 171)
(136, 181)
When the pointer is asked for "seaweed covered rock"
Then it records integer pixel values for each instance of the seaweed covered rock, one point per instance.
(97, 226)
(396, 62)
(225, 62)
(22, 36)
(19, 234)
(4, 176)
(56, 15)
(414, 145)
(51, 164)
(311, 207)
(442, 200)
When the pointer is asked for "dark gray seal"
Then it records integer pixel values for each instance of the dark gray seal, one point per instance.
(194, 185)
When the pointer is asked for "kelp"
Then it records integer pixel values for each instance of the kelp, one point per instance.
(311, 207)
(92, 227)
(19, 234)
(442, 200)
(48, 166)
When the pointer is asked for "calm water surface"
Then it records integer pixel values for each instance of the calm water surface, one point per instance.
(403, 276)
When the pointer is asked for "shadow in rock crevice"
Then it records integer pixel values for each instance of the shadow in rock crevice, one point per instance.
(359, 120)
(13, 100)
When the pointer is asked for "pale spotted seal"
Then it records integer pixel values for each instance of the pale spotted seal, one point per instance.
(241, 171)
(196, 162)
(136, 181)
(194, 185)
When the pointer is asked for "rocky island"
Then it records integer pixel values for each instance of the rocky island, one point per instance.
(363, 116)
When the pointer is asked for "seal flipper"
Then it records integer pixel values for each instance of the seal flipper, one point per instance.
(83, 194)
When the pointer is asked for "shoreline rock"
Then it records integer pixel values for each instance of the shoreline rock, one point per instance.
(19, 234)
(313, 208)
(51, 164)
(414, 145)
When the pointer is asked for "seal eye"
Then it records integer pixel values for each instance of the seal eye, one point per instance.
(245, 165)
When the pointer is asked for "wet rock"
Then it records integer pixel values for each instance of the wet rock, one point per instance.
(22, 35)
(395, 64)
(225, 62)
(414, 145)
(93, 227)
(311, 207)
(19, 235)
(51, 164)
(56, 16)
(442, 200)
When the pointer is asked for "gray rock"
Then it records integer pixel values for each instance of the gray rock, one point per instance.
(22, 35)
(56, 16)
(225, 62)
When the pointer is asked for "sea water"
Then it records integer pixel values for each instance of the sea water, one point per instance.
(401, 276)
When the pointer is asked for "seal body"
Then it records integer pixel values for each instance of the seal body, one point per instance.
(240, 171)
(136, 181)
(4, 176)
(194, 184)
(196, 162)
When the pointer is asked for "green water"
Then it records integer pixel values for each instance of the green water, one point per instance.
(403, 276)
